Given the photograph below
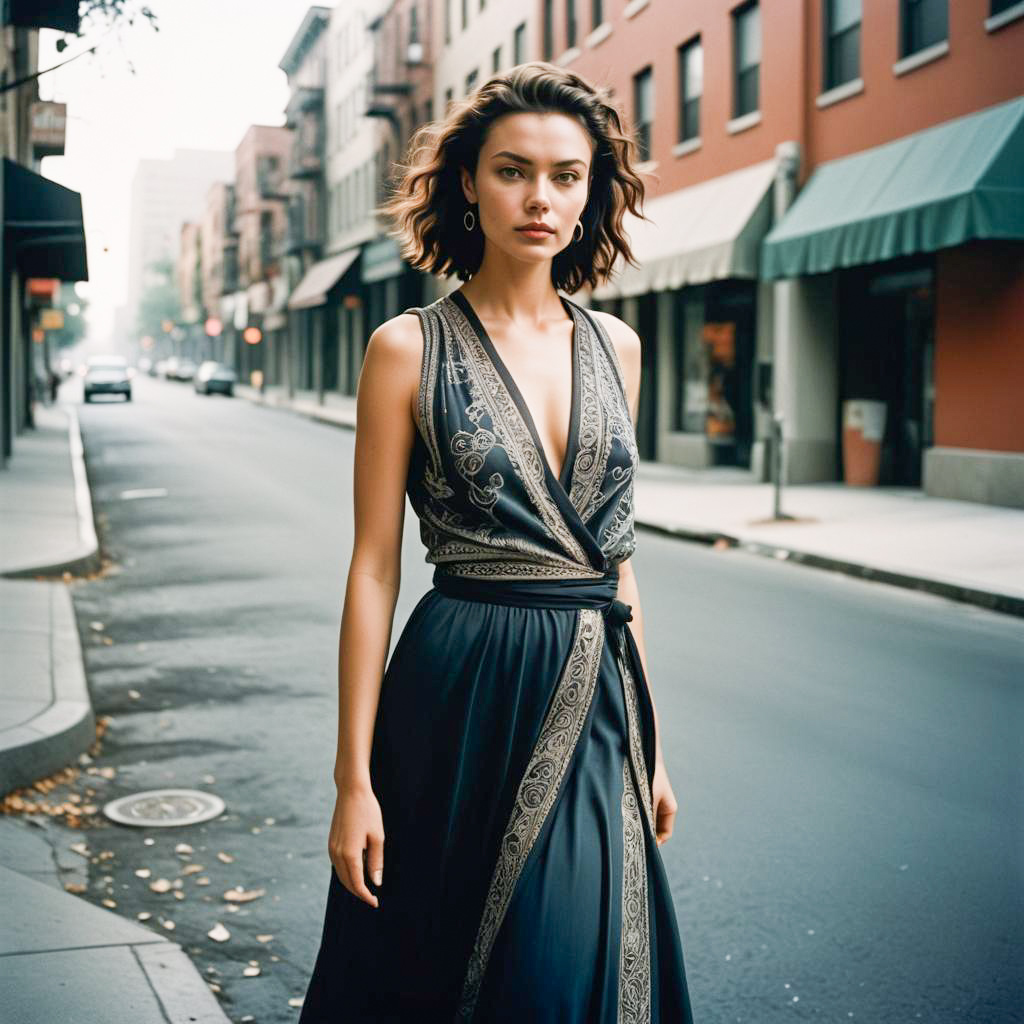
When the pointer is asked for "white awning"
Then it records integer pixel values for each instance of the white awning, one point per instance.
(705, 232)
(320, 279)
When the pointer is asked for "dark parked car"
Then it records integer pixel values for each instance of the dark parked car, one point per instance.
(213, 376)
(107, 375)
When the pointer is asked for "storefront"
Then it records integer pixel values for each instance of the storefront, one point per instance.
(319, 310)
(918, 247)
(695, 301)
(43, 237)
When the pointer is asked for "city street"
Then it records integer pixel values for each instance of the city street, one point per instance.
(845, 754)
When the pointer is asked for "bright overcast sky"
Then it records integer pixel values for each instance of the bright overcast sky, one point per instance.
(199, 82)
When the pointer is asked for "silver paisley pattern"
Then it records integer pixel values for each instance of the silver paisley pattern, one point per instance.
(635, 954)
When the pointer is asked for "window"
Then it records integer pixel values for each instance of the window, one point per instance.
(925, 23)
(449, 95)
(570, 23)
(643, 111)
(747, 49)
(447, 20)
(496, 60)
(428, 110)
(998, 6)
(691, 88)
(596, 13)
(519, 44)
(414, 25)
(548, 28)
(471, 80)
(842, 42)
(465, 13)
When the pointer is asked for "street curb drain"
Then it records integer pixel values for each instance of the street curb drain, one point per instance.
(164, 808)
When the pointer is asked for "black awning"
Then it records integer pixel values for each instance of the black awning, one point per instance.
(44, 233)
(61, 15)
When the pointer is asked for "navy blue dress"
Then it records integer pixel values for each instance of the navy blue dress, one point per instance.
(513, 748)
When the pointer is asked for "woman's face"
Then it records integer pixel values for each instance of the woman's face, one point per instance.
(531, 168)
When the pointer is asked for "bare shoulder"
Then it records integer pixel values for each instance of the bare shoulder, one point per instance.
(623, 337)
(397, 339)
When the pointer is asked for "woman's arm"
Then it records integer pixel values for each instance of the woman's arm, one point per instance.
(383, 442)
(628, 348)
(387, 387)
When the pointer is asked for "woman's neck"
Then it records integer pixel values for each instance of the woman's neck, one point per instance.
(513, 290)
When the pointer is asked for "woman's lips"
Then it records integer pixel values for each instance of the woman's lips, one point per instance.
(535, 232)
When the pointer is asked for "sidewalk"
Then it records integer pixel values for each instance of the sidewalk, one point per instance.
(962, 550)
(63, 959)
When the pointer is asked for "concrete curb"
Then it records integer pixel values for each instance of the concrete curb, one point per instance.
(992, 600)
(56, 736)
(85, 557)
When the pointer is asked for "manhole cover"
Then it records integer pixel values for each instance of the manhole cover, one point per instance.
(164, 808)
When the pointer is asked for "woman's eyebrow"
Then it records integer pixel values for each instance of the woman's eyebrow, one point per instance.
(525, 160)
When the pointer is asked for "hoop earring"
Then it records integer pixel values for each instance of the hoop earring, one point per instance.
(579, 237)
(469, 220)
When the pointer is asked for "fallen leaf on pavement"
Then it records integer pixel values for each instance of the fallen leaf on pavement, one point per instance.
(243, 896)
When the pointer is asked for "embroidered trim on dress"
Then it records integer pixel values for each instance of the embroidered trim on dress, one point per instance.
(538, 788)
(489, 391)
(635, 951)
(636, 747)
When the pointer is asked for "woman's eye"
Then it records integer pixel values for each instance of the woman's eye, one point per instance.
(504, 169)
(569, 176)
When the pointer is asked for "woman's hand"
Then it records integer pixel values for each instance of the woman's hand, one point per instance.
(664, 802)
(357, 826)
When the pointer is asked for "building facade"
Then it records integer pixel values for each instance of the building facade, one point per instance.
(166, 194)
(261, 199)
(42, 231)
(305, 324)
(734, 110)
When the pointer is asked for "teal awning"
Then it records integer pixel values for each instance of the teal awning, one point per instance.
(959, 180)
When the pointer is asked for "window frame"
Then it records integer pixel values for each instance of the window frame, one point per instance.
(691, 44)
(643, 130)
(738, 13)
(907, 9)
(829, 79)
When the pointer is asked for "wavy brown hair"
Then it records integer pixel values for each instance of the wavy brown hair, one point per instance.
(427, 202)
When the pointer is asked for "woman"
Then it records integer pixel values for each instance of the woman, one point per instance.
(506, 775)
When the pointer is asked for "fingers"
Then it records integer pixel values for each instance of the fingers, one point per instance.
(375, 858)
(666, 821)
(349, 868)
(354, 862)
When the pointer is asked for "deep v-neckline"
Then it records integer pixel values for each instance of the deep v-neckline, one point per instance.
(564, 478)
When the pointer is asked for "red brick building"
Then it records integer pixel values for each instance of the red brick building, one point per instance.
(751, 302)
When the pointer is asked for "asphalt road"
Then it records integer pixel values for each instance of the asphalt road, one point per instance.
(847, 756)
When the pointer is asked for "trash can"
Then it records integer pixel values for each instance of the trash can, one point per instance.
(863, 429)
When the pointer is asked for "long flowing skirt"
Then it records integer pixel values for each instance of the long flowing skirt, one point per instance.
(585, 930)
